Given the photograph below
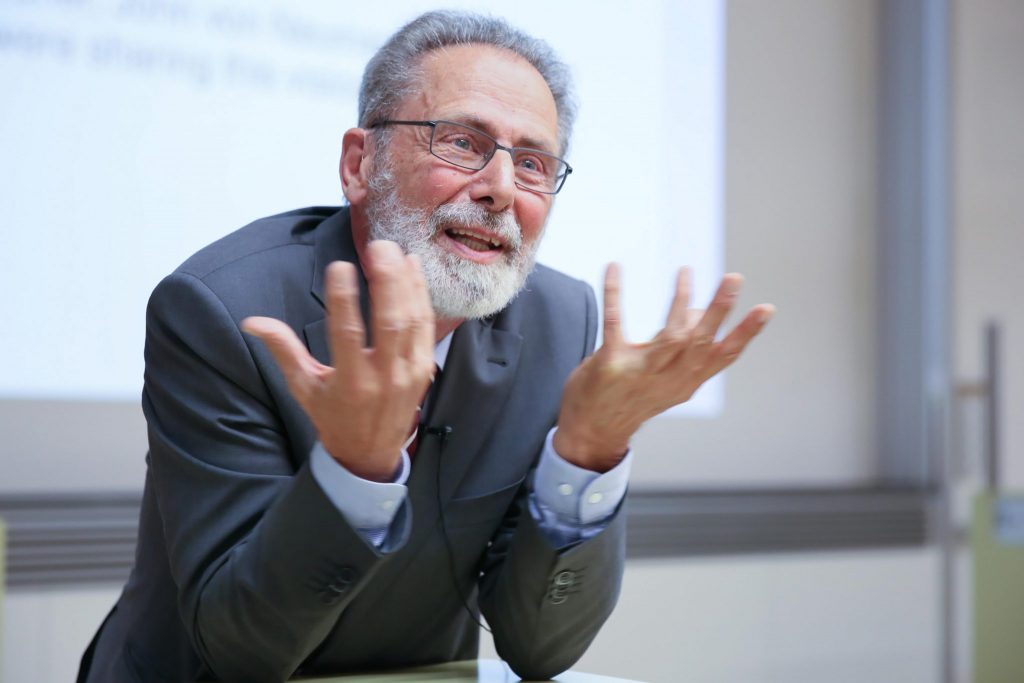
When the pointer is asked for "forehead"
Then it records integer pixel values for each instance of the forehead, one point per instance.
(490, 88)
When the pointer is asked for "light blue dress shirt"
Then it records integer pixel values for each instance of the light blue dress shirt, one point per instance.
(569, 503)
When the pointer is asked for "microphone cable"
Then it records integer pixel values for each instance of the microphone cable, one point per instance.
(443, 432)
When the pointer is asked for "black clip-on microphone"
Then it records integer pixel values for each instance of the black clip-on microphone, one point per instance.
(441, 432)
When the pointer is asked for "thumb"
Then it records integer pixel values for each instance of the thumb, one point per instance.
(298, 366)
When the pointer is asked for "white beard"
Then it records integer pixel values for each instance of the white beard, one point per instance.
(459, 288)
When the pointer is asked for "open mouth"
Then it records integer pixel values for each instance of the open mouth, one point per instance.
(474, 241)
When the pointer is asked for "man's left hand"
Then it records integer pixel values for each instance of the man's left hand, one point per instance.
(622, 385)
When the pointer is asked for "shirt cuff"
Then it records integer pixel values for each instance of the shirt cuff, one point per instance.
(575, 495)
(368, 506)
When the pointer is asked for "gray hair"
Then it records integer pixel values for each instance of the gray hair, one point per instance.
(393, 74)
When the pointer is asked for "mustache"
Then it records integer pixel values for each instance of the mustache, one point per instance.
(471, 215)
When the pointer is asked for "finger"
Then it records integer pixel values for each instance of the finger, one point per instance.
(423, 333)
(386, 290)
(345, 329)
(704, 333)
(409, 310)
(612, 311)
(672, 339)
(730, 348)
(405, 386)
(299, 368)
(680, 301)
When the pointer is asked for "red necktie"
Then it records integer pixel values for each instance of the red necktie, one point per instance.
(414, 436)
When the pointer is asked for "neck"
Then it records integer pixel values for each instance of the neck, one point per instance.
(444, 326)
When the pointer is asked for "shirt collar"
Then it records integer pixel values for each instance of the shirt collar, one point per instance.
(441, 349)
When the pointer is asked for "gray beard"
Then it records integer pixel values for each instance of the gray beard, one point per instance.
(459, 288)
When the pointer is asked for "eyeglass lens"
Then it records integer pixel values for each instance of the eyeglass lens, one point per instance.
(472, 149)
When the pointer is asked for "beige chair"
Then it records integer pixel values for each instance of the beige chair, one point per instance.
(997, 548)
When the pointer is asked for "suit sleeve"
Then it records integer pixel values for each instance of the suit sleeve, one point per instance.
(545, 605)
(263, 560)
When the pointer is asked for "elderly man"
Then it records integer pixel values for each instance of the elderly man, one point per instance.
(370, 425)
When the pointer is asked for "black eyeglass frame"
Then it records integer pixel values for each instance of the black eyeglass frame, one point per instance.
(497, 145)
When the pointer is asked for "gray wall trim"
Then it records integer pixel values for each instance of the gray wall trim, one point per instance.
(685, 523)
(915, 386)
(56, 539)
(61, 539)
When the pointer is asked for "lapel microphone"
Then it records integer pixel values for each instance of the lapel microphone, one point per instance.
(441, 432)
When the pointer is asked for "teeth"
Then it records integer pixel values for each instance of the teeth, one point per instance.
(463, 233)
(475, 245)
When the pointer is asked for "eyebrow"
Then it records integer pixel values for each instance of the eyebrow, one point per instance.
(477, 122)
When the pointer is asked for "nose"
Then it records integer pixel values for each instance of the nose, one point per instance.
(495, 184)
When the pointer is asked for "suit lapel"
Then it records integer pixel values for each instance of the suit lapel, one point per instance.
(333, 243)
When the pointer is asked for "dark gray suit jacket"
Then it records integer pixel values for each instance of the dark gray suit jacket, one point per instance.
(246, 571)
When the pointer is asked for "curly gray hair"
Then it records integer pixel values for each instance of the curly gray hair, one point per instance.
(393, 74)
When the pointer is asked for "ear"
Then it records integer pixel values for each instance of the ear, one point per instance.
(355, 164)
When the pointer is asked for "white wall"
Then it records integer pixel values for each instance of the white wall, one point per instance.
(840, 617)
(800, 221)
(800, 224)
(988, 202)
(836, 617)
(45, 632)
(85, 446)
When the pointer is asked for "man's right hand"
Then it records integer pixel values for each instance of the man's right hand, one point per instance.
(363, 407)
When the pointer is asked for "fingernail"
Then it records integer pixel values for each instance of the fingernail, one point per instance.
(733, 283)
(339, 274)
(765, 315)
(249, 326)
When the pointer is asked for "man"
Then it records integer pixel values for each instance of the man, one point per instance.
(310, 505)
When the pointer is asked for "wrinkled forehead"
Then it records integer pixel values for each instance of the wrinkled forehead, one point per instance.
(486, 87)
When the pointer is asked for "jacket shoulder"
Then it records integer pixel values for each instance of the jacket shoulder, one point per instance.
(555, 307)
(553, 290)
(281, 231)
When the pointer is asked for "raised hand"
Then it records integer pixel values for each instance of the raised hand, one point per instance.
(363, 406)
(622, 385)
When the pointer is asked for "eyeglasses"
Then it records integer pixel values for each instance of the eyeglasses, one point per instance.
(470, 148)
